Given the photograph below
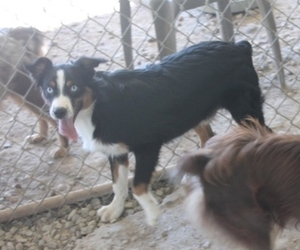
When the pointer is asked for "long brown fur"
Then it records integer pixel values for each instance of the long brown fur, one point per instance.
(21, 46)
(250, 185)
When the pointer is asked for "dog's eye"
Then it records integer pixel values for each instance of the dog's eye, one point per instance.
(74, 88)
(50, 90)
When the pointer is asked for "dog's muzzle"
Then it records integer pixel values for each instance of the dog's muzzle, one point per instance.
(60, 113)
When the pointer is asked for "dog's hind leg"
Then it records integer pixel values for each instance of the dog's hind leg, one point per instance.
(205, 132)
(146, 159)
(119, 169)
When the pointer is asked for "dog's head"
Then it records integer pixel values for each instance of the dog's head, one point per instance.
(31, 39)
(67, 88)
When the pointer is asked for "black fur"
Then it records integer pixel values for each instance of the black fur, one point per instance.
(154, 105)
(145, 108)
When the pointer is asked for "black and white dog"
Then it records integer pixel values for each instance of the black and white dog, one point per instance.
(142, 109)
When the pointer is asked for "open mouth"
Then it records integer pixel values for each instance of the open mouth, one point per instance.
(66, 125)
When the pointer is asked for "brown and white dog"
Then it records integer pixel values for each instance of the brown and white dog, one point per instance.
(20, 46)
(244, 186)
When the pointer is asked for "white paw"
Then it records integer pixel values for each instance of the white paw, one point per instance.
(153, 215)
(36, 138)
(150, 206)
(110, 213)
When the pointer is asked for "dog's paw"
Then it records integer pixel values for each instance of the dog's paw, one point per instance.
(110, 213)
(153, 216)
(36, 138)
(150, 206)
(59, 153)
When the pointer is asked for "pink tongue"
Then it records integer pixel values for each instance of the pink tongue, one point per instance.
(66, 128)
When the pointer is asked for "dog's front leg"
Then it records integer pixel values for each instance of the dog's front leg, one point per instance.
(146, 160)
(119, 170)
(63, 147)
(42, 135)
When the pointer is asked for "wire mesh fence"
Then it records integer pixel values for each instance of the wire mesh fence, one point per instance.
(31, 180)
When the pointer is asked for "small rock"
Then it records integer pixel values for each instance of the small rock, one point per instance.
(69, 224)
(53, 233)
(159, 192)
(84, 212)
(95, 202)
(64, 237)
(251, 28)
(7, 145)
(56, 237)
(92, 213)
(18, 186)
(58, 225)
(10, 246)
(134, 238)
(78, 233)
(13, 230)
(52, 245)
(129, 212)
(70, 216)
(41, 243)
(164, 234)
(20, 239)
(19, 246)
(152, 244)
(206, 244)
(46, 228)
(28, 233)
(129, 204)
(64, 210)
(75, 218)
(73, 229)
(8, 236)
(152, 40)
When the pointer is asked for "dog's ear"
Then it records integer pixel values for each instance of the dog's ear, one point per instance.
(194, 163)
(38, 69)
(89, 63)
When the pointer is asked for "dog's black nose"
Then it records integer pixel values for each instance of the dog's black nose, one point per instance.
(60, 113)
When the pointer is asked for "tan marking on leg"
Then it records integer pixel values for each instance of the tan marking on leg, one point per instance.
(140, 189)
(43, 128)
(205, 132)
(115, 171)
(63, 149)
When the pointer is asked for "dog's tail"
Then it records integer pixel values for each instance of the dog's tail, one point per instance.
(245, 46)
(193, 163)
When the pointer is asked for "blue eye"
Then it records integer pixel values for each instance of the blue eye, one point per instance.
(50, 90)
(74, 88)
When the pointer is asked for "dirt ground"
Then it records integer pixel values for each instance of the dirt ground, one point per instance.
(32, 168)
(173, 232)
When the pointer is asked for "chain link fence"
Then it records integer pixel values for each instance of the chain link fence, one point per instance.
(32, 181)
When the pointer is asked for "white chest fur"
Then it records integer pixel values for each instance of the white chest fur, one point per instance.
(85, 129)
